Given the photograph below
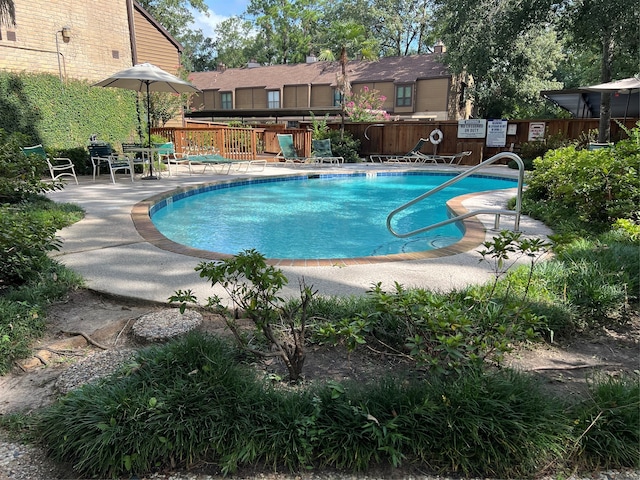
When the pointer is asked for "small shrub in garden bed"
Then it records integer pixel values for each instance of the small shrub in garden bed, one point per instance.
(191, 401)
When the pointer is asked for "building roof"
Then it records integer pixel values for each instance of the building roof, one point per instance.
(405, 69)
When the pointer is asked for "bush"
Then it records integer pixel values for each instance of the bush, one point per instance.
(25, 239)
(529, 151)
(21, 323)
(190, 401)
(588, 188)
(20, 175)
(344, 146)
(608, 424)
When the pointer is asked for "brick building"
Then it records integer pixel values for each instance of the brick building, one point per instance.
(85, 40)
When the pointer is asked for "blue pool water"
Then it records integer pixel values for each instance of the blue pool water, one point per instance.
(337, 216)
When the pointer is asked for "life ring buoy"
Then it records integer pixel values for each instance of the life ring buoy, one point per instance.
(435, 137)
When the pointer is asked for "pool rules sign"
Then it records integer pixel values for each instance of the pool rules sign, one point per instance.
(475, 128)
(497, 133)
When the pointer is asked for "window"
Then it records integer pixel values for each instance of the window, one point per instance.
(403, 96)
(226, 102)
(273, 99)
(337, 97)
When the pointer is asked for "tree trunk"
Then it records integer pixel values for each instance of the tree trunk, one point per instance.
(604, 128)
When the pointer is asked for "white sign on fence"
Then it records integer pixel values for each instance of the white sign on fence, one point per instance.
(497, 133)
(475, 128)
(536, 131)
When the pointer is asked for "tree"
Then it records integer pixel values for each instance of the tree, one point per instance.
(7, 13)
(285, 29)
(350, 37)
(174, 15)
(481, 38)
(610, 27)
(199, 52)
(235, 42)
(403, 27)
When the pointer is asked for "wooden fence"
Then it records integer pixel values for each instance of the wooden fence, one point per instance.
(390, 138)
(398, 138)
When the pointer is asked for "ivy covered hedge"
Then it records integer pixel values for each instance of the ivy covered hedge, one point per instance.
(63, 116)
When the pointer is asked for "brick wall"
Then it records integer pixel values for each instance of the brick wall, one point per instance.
(98, 45)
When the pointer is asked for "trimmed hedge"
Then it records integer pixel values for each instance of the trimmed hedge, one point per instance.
(64, 116)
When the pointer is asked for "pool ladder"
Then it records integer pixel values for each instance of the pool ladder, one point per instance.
(489, 211)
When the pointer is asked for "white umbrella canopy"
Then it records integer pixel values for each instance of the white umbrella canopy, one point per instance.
(627, 85)
(146, 77)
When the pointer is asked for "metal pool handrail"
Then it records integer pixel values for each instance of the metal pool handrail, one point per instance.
(457, 178)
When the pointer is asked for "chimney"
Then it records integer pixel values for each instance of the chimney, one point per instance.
(221, 67)
(439, 47)
(253, 63)
(312, 59)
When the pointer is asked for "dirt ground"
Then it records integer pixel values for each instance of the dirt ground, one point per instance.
(86, 317)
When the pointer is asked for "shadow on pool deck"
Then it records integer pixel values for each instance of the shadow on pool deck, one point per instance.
(116, 258)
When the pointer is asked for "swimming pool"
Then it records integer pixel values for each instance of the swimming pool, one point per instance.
(315, 216)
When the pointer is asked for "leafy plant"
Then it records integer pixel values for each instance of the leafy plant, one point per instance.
(607, 424)
(344, 145)
(594, 188)
(366, 106)
(253, 286)
(20, 175)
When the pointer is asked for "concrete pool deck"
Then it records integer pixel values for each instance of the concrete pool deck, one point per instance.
(113, 257)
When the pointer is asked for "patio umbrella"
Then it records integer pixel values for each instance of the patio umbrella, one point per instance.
(626, 86)
(147, 78)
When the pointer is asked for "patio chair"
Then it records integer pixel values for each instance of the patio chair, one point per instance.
(99, 154)
(58, 167)
(167, 155)
(216, 162)
(322, 152)
(453, 159)
(288, 153)
(412, 156)
(120, 162)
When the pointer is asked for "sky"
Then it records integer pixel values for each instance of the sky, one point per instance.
(219, 10)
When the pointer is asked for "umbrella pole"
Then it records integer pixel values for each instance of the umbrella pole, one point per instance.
(151, 176)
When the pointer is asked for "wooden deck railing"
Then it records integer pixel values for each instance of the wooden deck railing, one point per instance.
(234, 142)
(230, 142)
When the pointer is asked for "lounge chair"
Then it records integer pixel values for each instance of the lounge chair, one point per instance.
(288, 153)
(58, 167)
(322, 152)
(453, 159)
(216, 162)
(412, 156)
(167, 155)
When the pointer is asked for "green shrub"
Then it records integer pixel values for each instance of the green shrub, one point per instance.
(64, 115)
(20, 175)
(529, 151)
(189, 401)
(20, 324)
(25, 239)
(600, 279)
(129, 424)
(344, 145)
(591, 189)
(608, 424)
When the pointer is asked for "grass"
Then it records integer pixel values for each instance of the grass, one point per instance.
(193, 400)
(23, 306)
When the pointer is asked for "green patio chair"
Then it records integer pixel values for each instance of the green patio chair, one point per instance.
(58, 167)
(322, 152)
